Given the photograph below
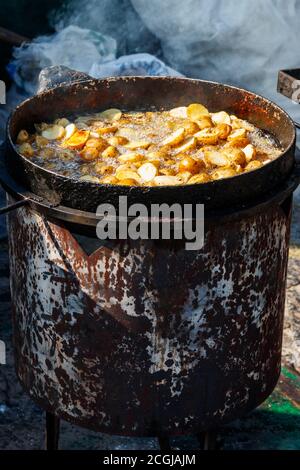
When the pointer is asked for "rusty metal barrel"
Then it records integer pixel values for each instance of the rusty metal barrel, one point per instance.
(145, 337)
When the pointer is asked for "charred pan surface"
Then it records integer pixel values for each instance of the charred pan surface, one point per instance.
(144, 337)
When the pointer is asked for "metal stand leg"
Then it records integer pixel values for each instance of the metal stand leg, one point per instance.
(207, 440)
(164, 443)
(52, 431)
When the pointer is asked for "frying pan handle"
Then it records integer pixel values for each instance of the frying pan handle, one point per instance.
(51, 77)
(14, 206)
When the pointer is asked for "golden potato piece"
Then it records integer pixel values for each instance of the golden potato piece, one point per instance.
(103, 169)
(221, 118)
(41, 126)
(190, 127)
(22, 137)
(236, 156)
(200, 178)
(249, 152)
(117, 140)
(204, 122)
(180, 112)
(62, 122)
(175, 138)
(208, 136)
(216, 158)
(77, 140)
(221, 173)
(26, 150)
(196, 110)
(89, 154)
(99, 143)
(167, 180)
(69, 131)
(158, 154)
(54, 133)
(130, 157)
(109, 179)
(187, 145)
(47, 152)
(111, 114)
(191, 165)
(90, 179)
(41, 141)
(184, 176)
(253, 165)
(238, 138)
(147, 172)
(128, 182)
(167, 171)
(224, 130)
(237, 123)
(138, 144)
(109, 152)
(106, 129)
(127, 174)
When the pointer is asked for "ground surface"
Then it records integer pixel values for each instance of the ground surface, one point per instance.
(275, 425)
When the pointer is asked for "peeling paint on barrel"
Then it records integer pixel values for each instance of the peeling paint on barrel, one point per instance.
(144, 337)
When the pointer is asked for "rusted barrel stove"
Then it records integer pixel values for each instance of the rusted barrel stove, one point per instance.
(145, 337)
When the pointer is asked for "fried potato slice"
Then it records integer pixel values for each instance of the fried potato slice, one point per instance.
(22, 137)
(130, 157)
(77, 140)
(26, 150)
(208, 136)
(221, 173)
(196, 110)
(106, 129)
(179, 112)
(110, 152)
(117, 140)
(236, 156)
(90, 179)
(191, 165)
(89, 154)
(69, 131)
(221, 118)
(41, 141)
(54, 132)
(204, 122)
(175, 138)
(187, 145)
(184, 176)
(147, 172)
(62, 122)
(138, 144)
(111, 114)
(200, 178)
(163, 180)
(127, 174)
(253, 165)
(216, 158)
(249, 152)
(224, 130)
(109, 179)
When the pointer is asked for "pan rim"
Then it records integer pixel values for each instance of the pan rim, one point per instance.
(145, 189)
